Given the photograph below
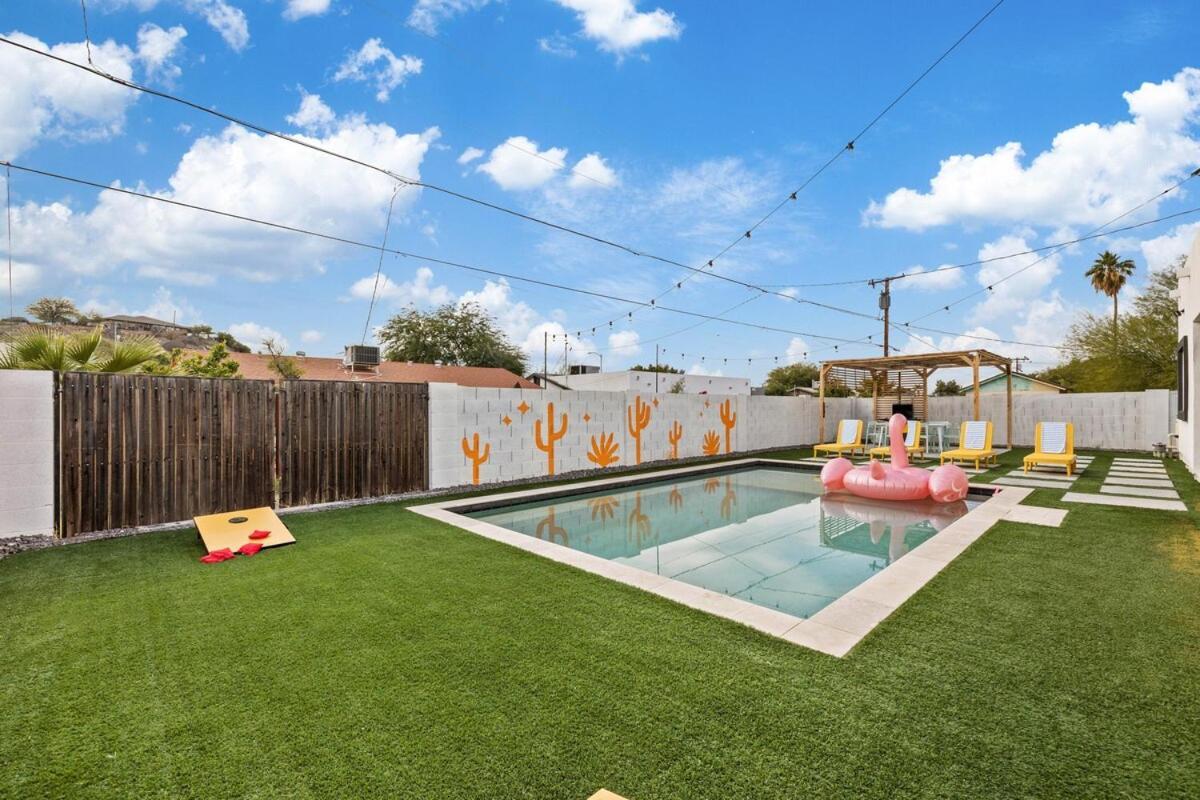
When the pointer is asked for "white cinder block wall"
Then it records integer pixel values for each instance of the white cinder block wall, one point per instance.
(26, 452)
(506, 421)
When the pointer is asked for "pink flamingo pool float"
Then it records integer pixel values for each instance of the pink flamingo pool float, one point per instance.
(897, 480)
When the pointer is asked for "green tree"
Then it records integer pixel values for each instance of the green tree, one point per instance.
(948, 388)
(676, 387)
(53, 310)
(463, 335)
(283, 366)
(783, 379)
(233, 344)
(1108, 273)
(217, 363)
(664, 369)
(39, 347)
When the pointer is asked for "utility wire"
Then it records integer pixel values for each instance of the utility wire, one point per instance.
(87, 38)
(1096, 233)
(849, 146)
(409, 181)
(431, 259)
(379, 268)
(8, 230)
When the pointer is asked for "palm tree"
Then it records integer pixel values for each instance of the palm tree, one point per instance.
(1109, 273)
(40, 347)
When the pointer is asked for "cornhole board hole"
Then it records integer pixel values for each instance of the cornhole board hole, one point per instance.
(232, 529)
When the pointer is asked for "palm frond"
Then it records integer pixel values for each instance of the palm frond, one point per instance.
(127, 355)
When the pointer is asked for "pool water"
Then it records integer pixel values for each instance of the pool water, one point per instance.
(766, 535)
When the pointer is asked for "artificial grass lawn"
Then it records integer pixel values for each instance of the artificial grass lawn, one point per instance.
(387, 655)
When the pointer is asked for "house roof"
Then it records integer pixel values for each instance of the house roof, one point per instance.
(254, 365)
(1029, 378)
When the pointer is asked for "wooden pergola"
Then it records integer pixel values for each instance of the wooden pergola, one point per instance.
(905, 380)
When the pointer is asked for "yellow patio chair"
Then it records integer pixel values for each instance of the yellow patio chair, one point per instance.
(849, 439)
(1053, 443)
(974, 444)
(912, 442)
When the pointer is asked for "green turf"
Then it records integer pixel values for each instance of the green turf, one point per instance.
(387, 655)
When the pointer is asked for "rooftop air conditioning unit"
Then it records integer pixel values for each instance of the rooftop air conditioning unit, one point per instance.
(358, 355)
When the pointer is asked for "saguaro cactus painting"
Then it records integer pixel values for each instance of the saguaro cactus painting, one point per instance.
(673, 436)
(638, 416)
(546, 443)
(728, 419)
(472, 452)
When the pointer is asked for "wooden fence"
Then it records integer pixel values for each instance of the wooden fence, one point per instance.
(140, 450)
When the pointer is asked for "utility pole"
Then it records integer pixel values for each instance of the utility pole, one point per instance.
(657, 369)
(1019, 360)
(885, 305)
(566, 361)
(545, 358)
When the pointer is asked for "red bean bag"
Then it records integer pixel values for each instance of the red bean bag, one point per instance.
(260, 534)
(217, 556)
(250, 548)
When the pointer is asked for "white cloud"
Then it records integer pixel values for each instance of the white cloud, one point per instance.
(1161, 251)
(163, 305)
(252, 334)
(557, 45)
(298, 9)
(625, 344)
(1013, 294)
(725, 186)
(313, 116)
(420, 291)
(930, 280)
(701, 369)
(244, 173)
(618, 27)
(40, 98)
(311, 336)
(1045, 321)
(157, 47)
(227, 20)
(519, 164)
(1091, 172)
(592, 171)
(469, 155)
(25, 278)
(427, 15)
(797, 350)
(185, 277)
(376, 64)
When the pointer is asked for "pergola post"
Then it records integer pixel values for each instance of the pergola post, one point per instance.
(1009, 402)
(975, 383)
(821, 403)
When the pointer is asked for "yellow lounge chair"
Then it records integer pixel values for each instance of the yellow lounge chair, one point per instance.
(849, 439)
(974, 444)
(912, 442)
(1053, 443)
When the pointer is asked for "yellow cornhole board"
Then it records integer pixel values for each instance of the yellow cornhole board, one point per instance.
(605, 794)
(233, 529)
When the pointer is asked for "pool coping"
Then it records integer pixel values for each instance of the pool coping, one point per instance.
(834, 630)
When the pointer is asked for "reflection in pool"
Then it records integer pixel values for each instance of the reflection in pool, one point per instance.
(765, 535)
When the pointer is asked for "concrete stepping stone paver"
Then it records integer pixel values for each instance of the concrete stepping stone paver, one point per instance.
(1034, 483)
(1037, 515)
(1140, 491)
(1153, 484)
(1124, 502)
(1050, 476)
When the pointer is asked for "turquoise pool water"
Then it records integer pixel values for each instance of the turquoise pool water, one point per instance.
(765, 535)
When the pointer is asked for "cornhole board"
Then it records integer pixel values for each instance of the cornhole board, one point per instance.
(232, 529)
(605, 794)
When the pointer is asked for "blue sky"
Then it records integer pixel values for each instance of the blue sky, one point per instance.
(676, 126)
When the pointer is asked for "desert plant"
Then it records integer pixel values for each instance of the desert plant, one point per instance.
(40, 347)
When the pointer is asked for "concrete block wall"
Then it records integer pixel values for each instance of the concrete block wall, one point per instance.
(26, 452)
(506, 419)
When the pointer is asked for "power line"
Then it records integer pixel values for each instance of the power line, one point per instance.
(8, 230)
(849, 146)
(379, 268)
(414, 182)
(1096, 233)
(431, 259)
(87, 37)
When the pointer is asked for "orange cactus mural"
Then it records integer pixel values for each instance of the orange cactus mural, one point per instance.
(638, 417)
(604, 451)
(675, 498)
(711, 485)
(712, 444)
(673, 436)
(729, 500)
(728, 419)
(549, 530)
(553, 434)
(604, 507)
(637, 522)
(472, 452)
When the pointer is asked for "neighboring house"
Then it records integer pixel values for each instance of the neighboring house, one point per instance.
(257, 366)
(1187, 355)
(661, 382)
(1020, 383)
(124, 323)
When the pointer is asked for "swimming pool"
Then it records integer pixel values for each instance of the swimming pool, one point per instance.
(766, 535)
(756, 541)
